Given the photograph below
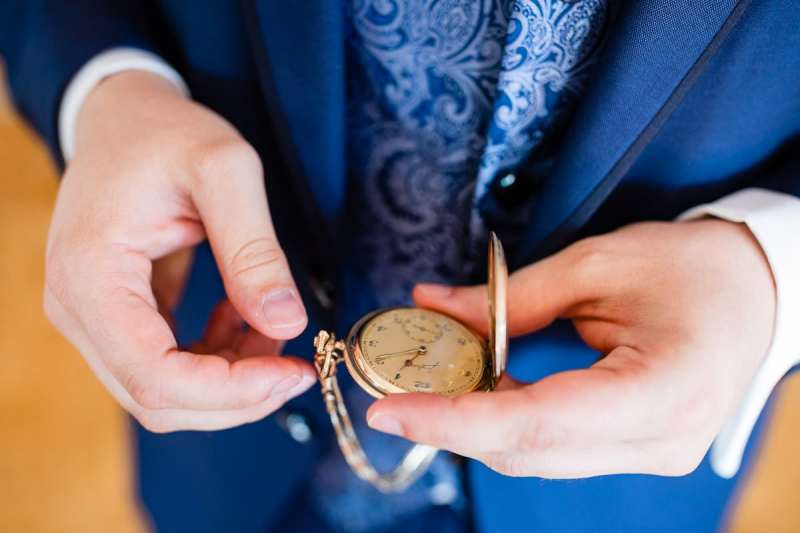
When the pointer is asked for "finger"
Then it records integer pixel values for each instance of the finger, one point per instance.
(209, 382)
(170, 419)
(508, 383)
(185, 380)
(170, 274)
(609, 402)
(231, 200)
(228, 336)
(223, 328)
(138, 348)
(575, 463)
(537, 295)
(673, 456)
(167, 420)
(254, 343)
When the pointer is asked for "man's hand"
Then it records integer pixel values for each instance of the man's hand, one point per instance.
(154, 174)
(683, 315)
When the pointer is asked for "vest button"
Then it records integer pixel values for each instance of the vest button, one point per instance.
(443, 493)
(297, 426)
(513, 189)
(507, 181)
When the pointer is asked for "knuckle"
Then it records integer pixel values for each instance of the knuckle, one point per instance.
(590, 257)
(55, 282)
(678, 467)
(262, 411)
(441, 435)
(154, 422)
(444, 434)
(263, 254)
(72, 265)
(447, 437)
(513, 465)
(694, 414)
(538, 435)
(145, 391)
(680, 460)
(220, 158)
(698, 410)
(50, 307)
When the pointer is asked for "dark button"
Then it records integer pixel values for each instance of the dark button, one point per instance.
(296, 425)
(514, 189)
(508, 181)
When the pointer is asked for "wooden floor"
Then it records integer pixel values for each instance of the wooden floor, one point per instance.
(65, 460)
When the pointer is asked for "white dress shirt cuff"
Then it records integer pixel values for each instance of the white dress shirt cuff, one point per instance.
(774, 220)
(96, 70)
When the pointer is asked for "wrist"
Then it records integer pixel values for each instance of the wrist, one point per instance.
(730, 240)
(122, 103)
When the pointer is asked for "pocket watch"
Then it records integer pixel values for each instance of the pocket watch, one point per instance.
(411, 349)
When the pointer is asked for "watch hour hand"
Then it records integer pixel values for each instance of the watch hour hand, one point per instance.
(409, 362)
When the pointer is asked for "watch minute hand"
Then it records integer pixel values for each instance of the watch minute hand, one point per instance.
(381, 357)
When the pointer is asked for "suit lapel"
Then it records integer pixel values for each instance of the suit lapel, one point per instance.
(656, 51)
(299, 49)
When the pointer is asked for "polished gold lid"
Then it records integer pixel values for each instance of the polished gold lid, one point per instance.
(498, 302)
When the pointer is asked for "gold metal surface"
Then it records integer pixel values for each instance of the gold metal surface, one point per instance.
(408, 349)
(498, 307)
(329, 352)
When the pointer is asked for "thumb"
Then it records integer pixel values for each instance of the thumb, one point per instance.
(537, 295)
(612, 399)
(232, 204)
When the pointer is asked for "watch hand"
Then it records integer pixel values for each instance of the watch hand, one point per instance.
(408, 362)
(390, 355)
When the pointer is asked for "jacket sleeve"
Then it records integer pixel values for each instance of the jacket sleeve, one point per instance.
(45, 42)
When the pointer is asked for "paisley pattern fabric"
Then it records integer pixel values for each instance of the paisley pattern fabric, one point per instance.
(445, 95)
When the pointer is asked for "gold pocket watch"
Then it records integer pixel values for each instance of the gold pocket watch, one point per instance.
(410, 349)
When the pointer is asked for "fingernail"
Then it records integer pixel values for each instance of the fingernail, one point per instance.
(386, 423)
(300, 388)
(434, 290)
(285, 385)
(282, 308)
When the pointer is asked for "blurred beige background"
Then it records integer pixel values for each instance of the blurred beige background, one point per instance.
(65, 462)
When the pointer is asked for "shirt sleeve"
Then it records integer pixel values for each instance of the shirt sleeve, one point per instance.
(774, 220)
(96, 70)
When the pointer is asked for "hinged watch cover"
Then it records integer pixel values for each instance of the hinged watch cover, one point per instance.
(498, 307)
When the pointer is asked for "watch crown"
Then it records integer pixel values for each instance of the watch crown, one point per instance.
(320, 340)
(328, 352)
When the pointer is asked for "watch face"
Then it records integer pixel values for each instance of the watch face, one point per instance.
(417, 350)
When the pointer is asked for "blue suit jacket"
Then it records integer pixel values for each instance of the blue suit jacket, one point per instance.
(691, 101)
